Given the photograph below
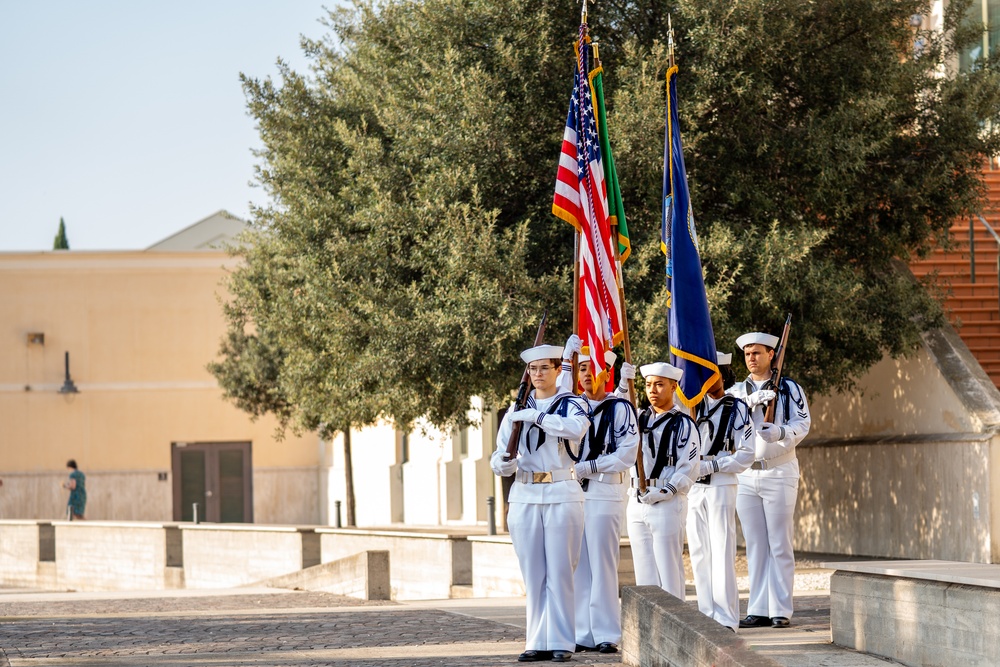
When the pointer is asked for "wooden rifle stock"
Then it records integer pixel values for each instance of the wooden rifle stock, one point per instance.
(776, 372)
(522, 396)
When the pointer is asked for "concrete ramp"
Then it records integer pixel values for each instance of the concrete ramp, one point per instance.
(364, 575)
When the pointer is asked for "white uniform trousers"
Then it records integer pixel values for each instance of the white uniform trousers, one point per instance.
(656, 533)
(766, 506)
(711, 535)
(596, 581)
(547, 540)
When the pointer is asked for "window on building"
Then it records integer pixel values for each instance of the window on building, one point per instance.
(982, 12)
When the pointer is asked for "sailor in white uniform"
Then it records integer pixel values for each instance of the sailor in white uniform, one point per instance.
(545, 517)
(669, 446)
(765, 501)
(727, 449)
(609, 451)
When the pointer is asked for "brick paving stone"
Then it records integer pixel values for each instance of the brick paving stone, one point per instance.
(91, 607)
(235, 630)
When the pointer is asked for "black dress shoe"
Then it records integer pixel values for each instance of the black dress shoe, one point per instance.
(780, 622)
(607, 647)
(580, 648)
(562, 656)
(752, 621)
(534, 656)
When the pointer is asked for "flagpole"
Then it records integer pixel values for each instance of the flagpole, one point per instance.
(576, 248)
(632, 397)
(576, 308)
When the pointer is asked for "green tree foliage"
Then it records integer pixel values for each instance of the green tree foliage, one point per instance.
(410, 250)
(61, 242)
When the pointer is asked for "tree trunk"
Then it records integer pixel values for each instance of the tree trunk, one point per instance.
(348, 479)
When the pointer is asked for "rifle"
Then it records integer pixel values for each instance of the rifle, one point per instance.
(776, 372)
(522, 396)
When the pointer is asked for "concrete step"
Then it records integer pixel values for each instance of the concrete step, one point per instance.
(990, 313)
(979, 326)
(966, 290)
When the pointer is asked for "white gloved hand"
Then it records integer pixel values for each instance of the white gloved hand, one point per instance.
(526, 415)
(653, 496)
(771, 433)
(627, 373)
(583, 470)
(505, 468)
(759, 398)
(573, 345)
(706, 469)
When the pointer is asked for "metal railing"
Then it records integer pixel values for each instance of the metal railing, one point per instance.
(972, 250)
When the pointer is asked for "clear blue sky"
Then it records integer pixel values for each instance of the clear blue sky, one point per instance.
(126, 117)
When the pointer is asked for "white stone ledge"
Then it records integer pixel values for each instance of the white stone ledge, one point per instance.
(950, 572)
(393, 533)
(245, 527)
(154, 525)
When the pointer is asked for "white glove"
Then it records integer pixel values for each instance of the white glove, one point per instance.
(759, 398)
(771, 433)
(627, 373)
(526, 415)
(583, 470)
(505, 468)
(653, 496)
(573, 345)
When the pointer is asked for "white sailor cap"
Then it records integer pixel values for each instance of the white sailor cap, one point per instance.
(724, 358)
(609, 358)
(540, 352)
(661, 369)
(757, 337)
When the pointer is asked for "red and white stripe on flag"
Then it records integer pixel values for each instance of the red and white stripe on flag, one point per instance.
(581, 199)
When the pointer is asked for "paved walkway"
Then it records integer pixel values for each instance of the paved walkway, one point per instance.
(305, 629)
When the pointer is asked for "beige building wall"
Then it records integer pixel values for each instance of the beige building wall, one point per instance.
(140, 328)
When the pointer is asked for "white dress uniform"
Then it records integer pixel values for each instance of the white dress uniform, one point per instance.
(656, 531)
(609, 451)
(727, 449)
(545, 517)
(766, 499)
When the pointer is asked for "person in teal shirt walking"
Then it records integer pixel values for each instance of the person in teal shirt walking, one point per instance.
(77, 492)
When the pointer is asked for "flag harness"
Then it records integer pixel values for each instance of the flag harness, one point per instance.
(561, 404)
(785, 393)
(663, 457)
(722, 440)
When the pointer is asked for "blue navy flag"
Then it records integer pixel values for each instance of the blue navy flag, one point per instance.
(692, 343)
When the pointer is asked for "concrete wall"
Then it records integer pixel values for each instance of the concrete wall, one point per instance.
(286, 495)
(224, 555)
(105, 556)
(919, 500)
(496, 573)
(659, 630)
(916, 622)
(21, 550)
(422, 565)
(906, 466)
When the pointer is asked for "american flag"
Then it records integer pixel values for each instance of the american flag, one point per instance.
(581, 199)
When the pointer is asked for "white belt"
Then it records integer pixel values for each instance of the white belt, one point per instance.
(768, 464)
(527, 477)
(608, 477)
(649, 482)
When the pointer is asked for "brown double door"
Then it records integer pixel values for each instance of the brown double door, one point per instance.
(217, 477)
